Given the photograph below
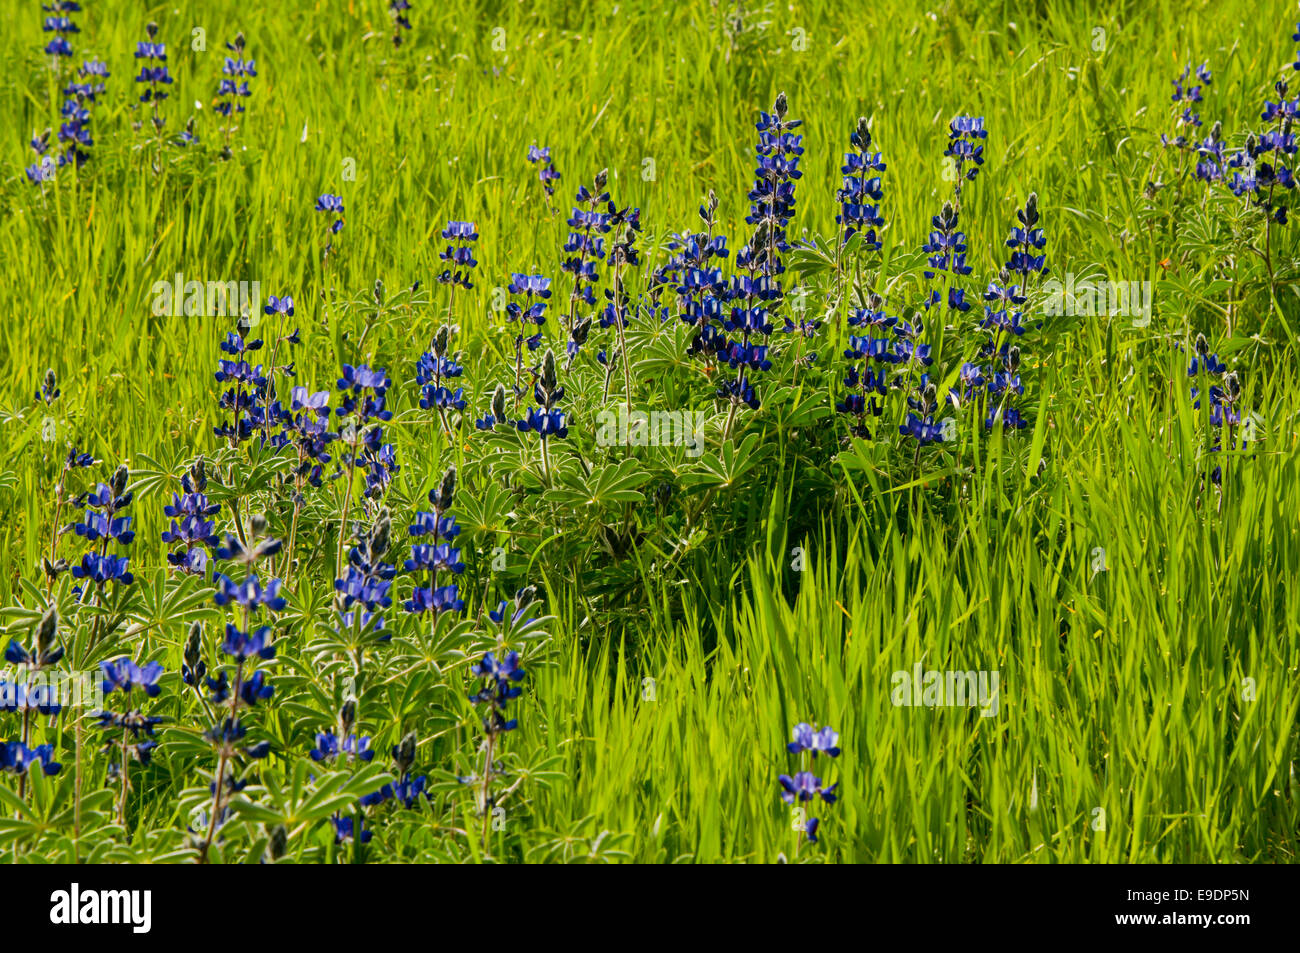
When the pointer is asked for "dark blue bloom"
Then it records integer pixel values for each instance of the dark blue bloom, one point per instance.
(439, 600)
(806, 738)
(805, 786)
(859, 187)
(248, 593)
(17, 758)
(125, 676)
(102, 569)
(241, 645)
(20, 696)
(343, 827)
(499, 677)
(547, 174)
(329, 747)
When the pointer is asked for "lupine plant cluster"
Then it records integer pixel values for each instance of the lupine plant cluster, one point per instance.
(328, 628)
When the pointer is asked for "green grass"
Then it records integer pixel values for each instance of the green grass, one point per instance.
(656, 713)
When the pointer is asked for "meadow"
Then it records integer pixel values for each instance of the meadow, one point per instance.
(648, 496)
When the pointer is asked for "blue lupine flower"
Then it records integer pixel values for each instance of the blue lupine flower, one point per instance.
(354, 385)
(859, 186)
(544, 423)
(98, 526)
(241, 645)
(499, 676)
(329, 747)
(548, 175)
(358, 586)
(331, 205)
(805, 786)
(248, 593)
(281, 306)
(230, 733)
(64, 27)
(593, 217)
(1184, 96)
(460, 255)
(429, 558)
(343, 827)
(102, 569)
(924, 430)
(436, 600)
(255, 688)
(822, 741)
(125, 676)
(20, 696)
(546, 419)
(17, 758)
(524, 598)
(155, 76)
(405, 791)
(964, 133)
(233, 86)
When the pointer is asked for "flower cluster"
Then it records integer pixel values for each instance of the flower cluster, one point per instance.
(235, 73)
(965, 150)
(61, 25)
(1185, 99)
(756, 293)
(861, 186)
(364, 405)
(590, 222)
(153, 73)
(331, 206)
(460, 255)
(17, 758)
(30, 697)
(546, 419)
(547, 174)
(408, 788)
(1262, 169)
(1003, 322)
(866, 384)
(1224, 388)
(804, 786)
(497, 689)
(246, 383)
(191, 526)
(240, 684)
(45, 650)
(129, 732)
(368, 579)
(536, 291)
(438, 555)
(101, 526)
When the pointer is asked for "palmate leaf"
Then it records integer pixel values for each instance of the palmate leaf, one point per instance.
(307, 802)
(604, 487)
(157, 478)
(486, 511)
(788, 410)
(728, 467)
(164, 601)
